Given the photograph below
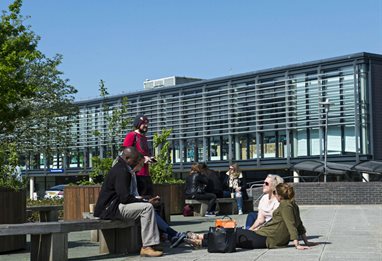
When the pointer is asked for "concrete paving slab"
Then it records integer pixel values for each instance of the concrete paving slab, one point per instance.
(345, 232)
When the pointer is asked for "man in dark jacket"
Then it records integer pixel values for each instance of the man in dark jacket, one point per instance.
(117, 200)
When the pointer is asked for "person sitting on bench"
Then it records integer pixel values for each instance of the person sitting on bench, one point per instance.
(116, 201)
(196, 184)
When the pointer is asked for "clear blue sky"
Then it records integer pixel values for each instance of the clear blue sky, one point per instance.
(125, 42)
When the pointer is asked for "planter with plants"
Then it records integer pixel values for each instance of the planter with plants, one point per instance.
(170, 190)
(34, 216)
(12, 197)
(79, 197)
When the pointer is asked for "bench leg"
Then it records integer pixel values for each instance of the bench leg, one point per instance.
(94, 235)
(200, 209)
(49, 247)
(203, 209)
(120, 240)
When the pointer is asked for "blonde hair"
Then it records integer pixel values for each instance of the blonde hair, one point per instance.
(275, 180)
(235, 172)
(285, 191)
(236, 167)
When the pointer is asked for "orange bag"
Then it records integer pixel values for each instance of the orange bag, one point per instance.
(225, 222)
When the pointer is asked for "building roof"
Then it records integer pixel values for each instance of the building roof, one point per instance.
(344, 58)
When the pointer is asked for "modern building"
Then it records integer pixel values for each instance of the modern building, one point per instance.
(265, 120)
(168, 81)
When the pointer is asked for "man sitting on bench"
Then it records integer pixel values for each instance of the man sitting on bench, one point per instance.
(116, 200)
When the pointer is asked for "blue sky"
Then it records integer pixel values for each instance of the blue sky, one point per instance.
(125, 42)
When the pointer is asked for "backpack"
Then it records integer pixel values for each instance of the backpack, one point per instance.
(188, 210)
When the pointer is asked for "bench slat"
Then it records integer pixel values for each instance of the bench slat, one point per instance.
(225, 205)
(61, 226)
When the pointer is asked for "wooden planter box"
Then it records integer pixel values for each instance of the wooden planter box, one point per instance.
(77, 200)
(173, 197)
(12, 211)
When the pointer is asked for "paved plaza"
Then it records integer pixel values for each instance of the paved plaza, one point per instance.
(345, 232)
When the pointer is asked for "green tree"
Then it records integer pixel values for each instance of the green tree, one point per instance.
(35, 102)
(116, 120)
(8, 172)
(161, 171)
(47, 128)
(18, 51)
(99, 170)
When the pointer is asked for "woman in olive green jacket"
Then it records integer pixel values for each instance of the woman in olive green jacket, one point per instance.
(286, 224)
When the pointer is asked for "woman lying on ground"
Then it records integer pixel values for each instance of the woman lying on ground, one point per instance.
(285, 225)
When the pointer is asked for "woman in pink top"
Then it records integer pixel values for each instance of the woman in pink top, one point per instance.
(138, 139)
(268, 203)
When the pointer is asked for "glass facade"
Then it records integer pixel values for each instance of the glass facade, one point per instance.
(254, 117)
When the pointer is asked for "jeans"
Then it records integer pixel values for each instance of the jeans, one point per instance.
(239, 200)
(165, 228)
(251, 218)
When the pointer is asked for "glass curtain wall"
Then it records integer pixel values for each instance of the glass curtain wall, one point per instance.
(252, 115)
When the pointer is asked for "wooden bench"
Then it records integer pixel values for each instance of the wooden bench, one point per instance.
(225, 206)
(46, 213)
(49, 240)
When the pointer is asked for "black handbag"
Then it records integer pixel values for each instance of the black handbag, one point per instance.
(221, 240)
(248, 239)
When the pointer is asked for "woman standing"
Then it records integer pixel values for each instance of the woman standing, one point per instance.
(236, 185)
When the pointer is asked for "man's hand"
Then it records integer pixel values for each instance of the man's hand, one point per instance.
(152, 200)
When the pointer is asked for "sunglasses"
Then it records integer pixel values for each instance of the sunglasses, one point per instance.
(266, 183)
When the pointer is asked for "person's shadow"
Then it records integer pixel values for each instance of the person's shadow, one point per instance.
(318, 242)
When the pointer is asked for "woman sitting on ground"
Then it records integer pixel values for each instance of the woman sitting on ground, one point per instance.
(196, 184)
(268, 203)
(285, 225)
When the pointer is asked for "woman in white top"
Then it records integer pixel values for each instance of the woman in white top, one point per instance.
(236, 184)
(268, 203)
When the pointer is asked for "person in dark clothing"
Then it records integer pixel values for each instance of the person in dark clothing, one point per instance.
(137, 139)
(117, 200)
(196, 184)
(214, 185)
(224, 179)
